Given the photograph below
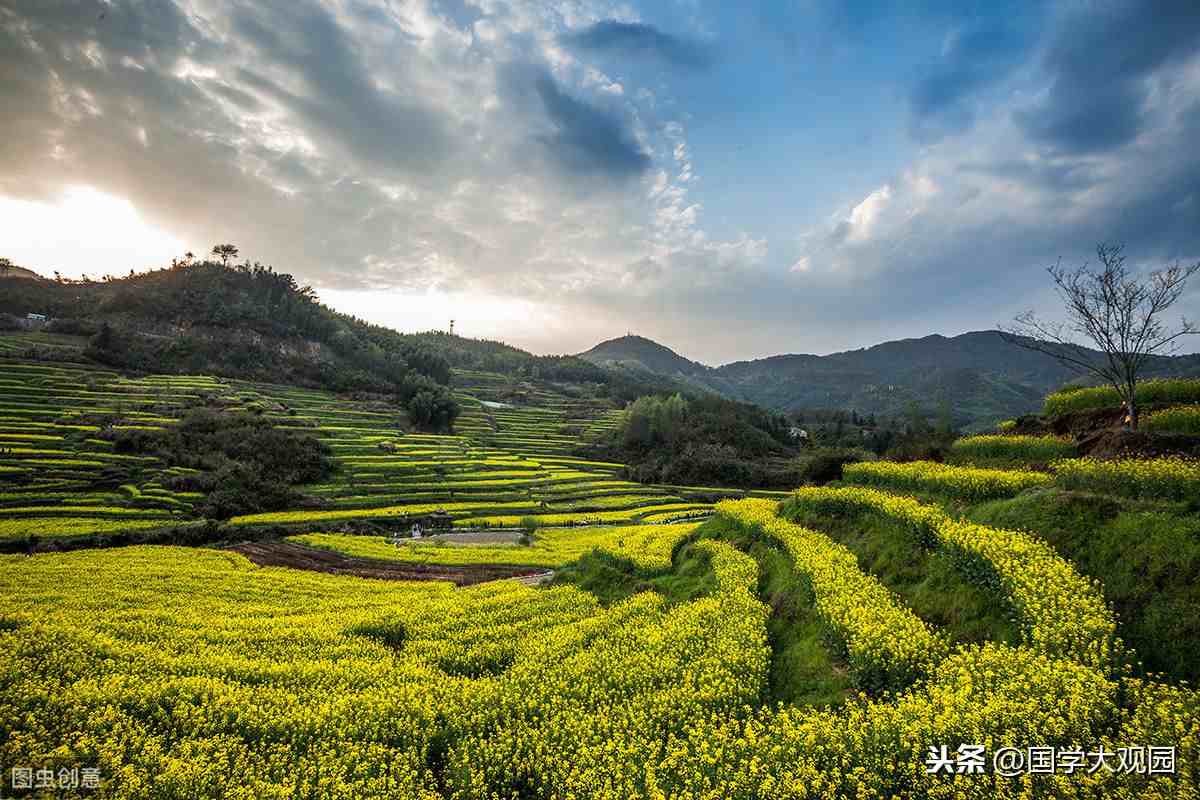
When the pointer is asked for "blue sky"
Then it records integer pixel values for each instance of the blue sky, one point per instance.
(734, 180)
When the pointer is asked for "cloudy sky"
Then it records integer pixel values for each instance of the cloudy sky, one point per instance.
(732, 179)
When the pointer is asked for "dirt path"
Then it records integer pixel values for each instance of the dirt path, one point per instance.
(297, 556)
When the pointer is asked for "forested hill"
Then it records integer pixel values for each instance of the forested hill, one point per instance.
(642, 353)
(245, 321)
(249, 321)
(979, 375)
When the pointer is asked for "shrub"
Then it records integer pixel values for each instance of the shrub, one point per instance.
(243, 463)
(71, 326)
(823, 465)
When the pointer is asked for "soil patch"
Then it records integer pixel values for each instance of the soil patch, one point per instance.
(1117, 442)
(298, 556)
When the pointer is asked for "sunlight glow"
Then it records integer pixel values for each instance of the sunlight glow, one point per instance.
(539, 327)
(85, 232)
(476, 316)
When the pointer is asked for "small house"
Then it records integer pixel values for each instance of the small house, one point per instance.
(35, 317)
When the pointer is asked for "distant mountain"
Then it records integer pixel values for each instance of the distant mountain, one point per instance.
(638, 352)
(980, 377)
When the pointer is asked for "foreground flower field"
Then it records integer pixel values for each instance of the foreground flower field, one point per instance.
(190, 673)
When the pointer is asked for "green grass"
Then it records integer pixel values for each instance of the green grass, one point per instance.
(804, 667)
(1147, 556)
(1166, 390)
(1177, 419)
(997, 450)
(612, 578)
(927, 581)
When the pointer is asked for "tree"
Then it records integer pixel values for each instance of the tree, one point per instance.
(5, 267)
(225, 252)
(1118, 312)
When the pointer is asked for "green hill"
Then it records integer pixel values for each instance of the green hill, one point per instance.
(982, 377)
(639, 352)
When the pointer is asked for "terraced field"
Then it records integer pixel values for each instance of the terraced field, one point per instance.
(503, 467)
(191, 672)
(367, 689)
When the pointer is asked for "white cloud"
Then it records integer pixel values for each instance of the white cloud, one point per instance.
(864, 215)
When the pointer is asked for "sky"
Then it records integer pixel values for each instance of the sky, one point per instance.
(734, 180)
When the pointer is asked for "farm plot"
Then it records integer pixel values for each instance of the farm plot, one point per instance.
(647, 546)
(56, 454)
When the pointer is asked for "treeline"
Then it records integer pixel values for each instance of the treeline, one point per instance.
(704, 441)
(913, 435)
(243, 321)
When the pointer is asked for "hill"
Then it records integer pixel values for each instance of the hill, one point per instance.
(639, 352)
(13, 271)
(979, 375)
(252, 323)
(245, 321)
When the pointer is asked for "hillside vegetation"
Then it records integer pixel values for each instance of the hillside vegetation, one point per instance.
(242, 321)
(705, 441)
(685, 640)
(979, 376)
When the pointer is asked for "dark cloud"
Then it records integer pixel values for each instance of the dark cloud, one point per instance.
(976, 58)
(1054, 176)
(381, 128)
(587, 140)
(1099, 60)
(640, 40)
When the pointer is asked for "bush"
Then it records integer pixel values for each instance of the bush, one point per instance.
(71, 326)
(433, 408)
(823, 465)
(246, 464)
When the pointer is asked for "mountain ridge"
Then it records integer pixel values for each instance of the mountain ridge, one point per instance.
(983, 376)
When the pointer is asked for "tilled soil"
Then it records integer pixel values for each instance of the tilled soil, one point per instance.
(298, 556)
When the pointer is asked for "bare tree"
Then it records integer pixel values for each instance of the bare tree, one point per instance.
(1117, 312)
(225, 252)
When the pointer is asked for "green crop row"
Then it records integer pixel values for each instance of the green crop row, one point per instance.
(886, 645)
(1163, 390)
(1062, 613)
(969, 483)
